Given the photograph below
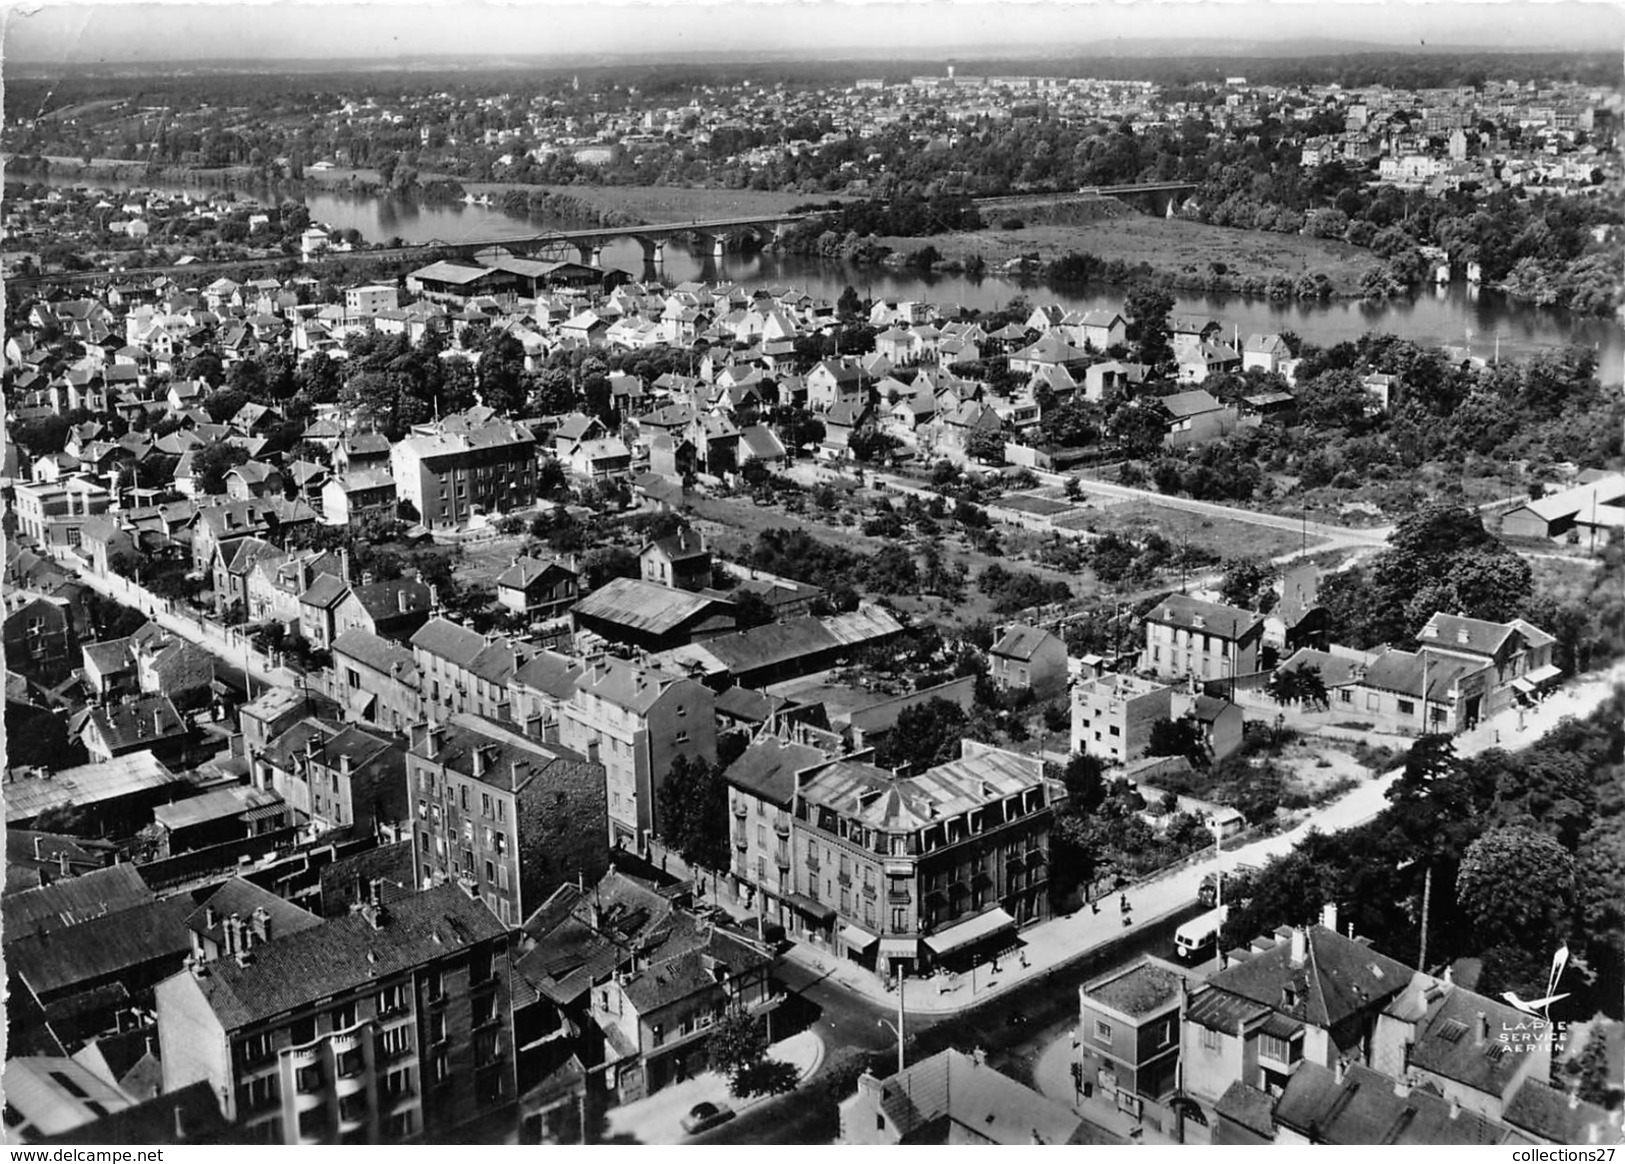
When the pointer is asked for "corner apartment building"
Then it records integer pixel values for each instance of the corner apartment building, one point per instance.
(1128, 1038)
(449, 476)
(1187, 636)
(927, 869)
(1112, 715)
(393, 1024)
(507, 818)
(636, 721)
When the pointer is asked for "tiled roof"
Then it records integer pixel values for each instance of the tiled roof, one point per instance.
(1339, 978)
(510, 761)
(447, 640)
(1367, 1107)
(242, 897)
(1184, 404)
(1229, 622)
(326, 591)
(100, 947)
(382, 600)
(1020, 642)
(550, 673)
(344, 953)
(146, 719)
(1251, 1108)
(380, 654)
(1546, 1113)
(1451, 632)
(1449, 1042)
(767, 769)
(73, 900)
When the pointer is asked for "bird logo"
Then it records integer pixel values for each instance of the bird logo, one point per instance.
(1541, 1007)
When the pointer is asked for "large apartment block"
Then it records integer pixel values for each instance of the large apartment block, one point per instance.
(449, 476)
(635, 721)
(509, 819)
(393, 1024)
(922, 870)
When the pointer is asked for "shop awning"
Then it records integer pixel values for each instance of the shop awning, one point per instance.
(971, 930)
(899, 869)
(264, 812)
(1546, 674)
(801, 903)
(899, 948)
(360, 701)
(859, 940)
(1523, 686)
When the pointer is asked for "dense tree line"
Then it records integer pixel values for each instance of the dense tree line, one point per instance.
(1526, 851)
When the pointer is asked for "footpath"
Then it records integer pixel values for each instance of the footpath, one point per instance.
(657, 1118)
(1061, 940)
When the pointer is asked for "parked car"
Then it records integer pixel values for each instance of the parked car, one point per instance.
(703, 1117)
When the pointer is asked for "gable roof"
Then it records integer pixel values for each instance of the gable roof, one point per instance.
(645, 606)
(1185, 612)
(1339, 978)
(101, 947)
(1020, 641)
(767, 769)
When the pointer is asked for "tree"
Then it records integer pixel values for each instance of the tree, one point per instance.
(212, 462)
(1594, 1081)
(871, 445)
(1176, 737)
(501, 372)
(850, 304)
(738, 1044)
(986, 446)
(693, 803)
(1303, 685)
(1516, 886)
(1085, 783)
(1148, 309)
(925, 735)
(751, 609)
(1139, 430)
(1245, 581)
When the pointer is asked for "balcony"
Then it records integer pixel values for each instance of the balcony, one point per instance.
(812, 864)
(740, 810)
(741, 842)
(844, 878)
(782, 828)
(350, 1084)
(782, 858)
(869, 889)
(899, 896)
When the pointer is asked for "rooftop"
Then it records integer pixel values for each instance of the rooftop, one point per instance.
(345, 953)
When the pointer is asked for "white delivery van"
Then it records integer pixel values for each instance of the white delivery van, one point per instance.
(1199, 937)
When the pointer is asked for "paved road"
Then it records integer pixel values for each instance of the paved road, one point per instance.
(1013, 1027)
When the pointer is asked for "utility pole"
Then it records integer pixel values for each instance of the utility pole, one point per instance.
(1427, 900)
(900, 1063)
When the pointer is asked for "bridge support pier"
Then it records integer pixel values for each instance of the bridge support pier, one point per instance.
(718, 247)
(654, 250)
(590, 254)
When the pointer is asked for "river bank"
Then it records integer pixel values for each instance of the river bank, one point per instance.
(1189, 255)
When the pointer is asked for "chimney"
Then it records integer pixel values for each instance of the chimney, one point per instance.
(209, 917)
(1328, 916)
(434, 598)
(869, 1085)
(366, 578)
(1340, 1068)
(262, 923)
(400, 599)
(38, 855)
(1455, 1108)
(228, 936)
(180, 1122)
(1462, 635)
(375, 892)
(344, 565)
(1483, 1029)
(62, 865)
(1574, 1101)
(157, 722)
(1300, 944)
(479, 762)
(344, 764)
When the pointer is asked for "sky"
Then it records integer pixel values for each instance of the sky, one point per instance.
(55, 32)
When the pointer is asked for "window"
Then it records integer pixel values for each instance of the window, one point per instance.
(390, 1000)
(351, 1064)
(485, 803)
(1103, 1031)
(1210, 1039)
(1407, 707)
(479, 965)
(308, 1079)
(899, 920)
(261, 1092)
(437, 1027)
(680, 738)
(1372, 701)
(345, 1016)
(1114, 730)
(1344, 695)
(464, 792)
(761, 835)
(1274, 1048)
(256, 1047)
(484, 1009)
(490, 871)
(303, 1030)
(398, 1083)
(402, 1124)
(313, 1123)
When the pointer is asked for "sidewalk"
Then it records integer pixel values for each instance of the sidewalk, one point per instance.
(657, 1119)
(1063, 939)
(1052, 1076)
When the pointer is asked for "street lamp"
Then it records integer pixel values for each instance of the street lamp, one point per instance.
(897, 1029)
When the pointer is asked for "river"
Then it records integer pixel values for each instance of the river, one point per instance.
(1484, 321)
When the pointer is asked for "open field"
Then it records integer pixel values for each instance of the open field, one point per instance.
(1166, 244)
(1227, 539)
